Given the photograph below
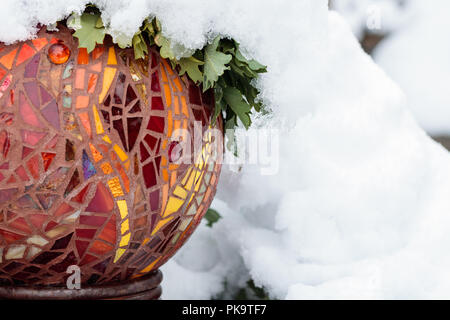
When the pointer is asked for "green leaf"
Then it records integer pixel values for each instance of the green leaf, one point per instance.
(89, 35)
(215, 64)
(166, 49)
(212, 216)
(99, 24)
(240, 107)
(191, 66)
(140, 47)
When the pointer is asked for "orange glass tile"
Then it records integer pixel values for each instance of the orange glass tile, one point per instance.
(173, 178)
(163, 161)
(100, 248)
(106, 167)
(97, 53)
(176, 105)
(169, 123)
(177, 124)
(95, 153)
(8, 59)
(184, 106)
(79, 78)
(108, 77)
(178, 84)
(25, 53)
(2, 73)
(92, 83)
(168, 67)
(167, 95)
(82, 102)
(96, 67)
(112, 60)
(165, 175)
(39, 43)
(83, 56)
(33, 166)
(84, 117)
(164, 75)
(54, 40)
(125, 179)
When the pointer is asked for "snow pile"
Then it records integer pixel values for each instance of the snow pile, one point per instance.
(415, 54)
(359, 207)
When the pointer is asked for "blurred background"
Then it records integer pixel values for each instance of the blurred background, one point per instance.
(410, 41)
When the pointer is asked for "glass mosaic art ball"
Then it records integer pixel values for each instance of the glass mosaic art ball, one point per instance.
(87, 175)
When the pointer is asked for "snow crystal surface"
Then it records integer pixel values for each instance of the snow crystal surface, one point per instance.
(359, 207)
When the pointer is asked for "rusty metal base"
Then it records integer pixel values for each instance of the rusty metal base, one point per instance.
(144, 288)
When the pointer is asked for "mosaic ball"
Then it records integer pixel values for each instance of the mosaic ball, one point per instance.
(88, 170)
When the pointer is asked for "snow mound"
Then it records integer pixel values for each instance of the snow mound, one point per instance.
(359, 207)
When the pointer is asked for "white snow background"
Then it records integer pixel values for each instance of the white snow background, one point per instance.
(360, 206)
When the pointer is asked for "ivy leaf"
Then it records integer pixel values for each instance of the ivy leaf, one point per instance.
(240, 107)
(215, 64)
(166, 48)
(140, 47)
(89, 35)
(191, 66)
(212, 216)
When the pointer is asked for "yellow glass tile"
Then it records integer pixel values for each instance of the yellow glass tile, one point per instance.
(108, 77)
(119, 253)
(173, 205)
(112, 60)
(150, 266)
(115, 187)
(199, 182)
(146, 240)
(160, 224)
(186, 176)
(106, 167)
(184, 106)
(125, 227)
(142, 91)
(107, 139)
(122, 155)
(98, 122)
(190, 181)
(123, 208)
(95, 153)
(167, 95)
(125, 240)
(180, 192)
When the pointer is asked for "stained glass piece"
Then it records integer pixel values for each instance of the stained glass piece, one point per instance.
(85, 233)
(31, 89)
(122, 155)
(101, 267)
(156, 124)
(118, 125)
(8, 59)
(105, 115)
(102, 201)
(134, 127)
(39, 43)
(2, 73)
(45, 96)
(81, 246)
(27, 113)
(63, 209)
(82, 102)
(175, 151)
(112, 60)
(88, 167)
(79, 78)
(84, 117)
(73, 183)
(131, 95)
(151, 141)
(109, 231)
(51, 114)
(142, 91)
(115, 187)
(136, 107)
(107, 101)
(25, 53)
(98, 52)
(157, 103)
(80, 196)
(144, 153)
(108, 77)
(5, 143)
(58, 53)
(83, 56)
(26, 151)
(70, 150)
(194, 95)
(154, 200)
(62, 243)
(155, 82)
(47, 159)
(68, 70)
(120, 87)
(149, 175)
(167, 95)
(92, 82)
(46, 257)
(32, 67)
(32, 138)
(116, 111)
